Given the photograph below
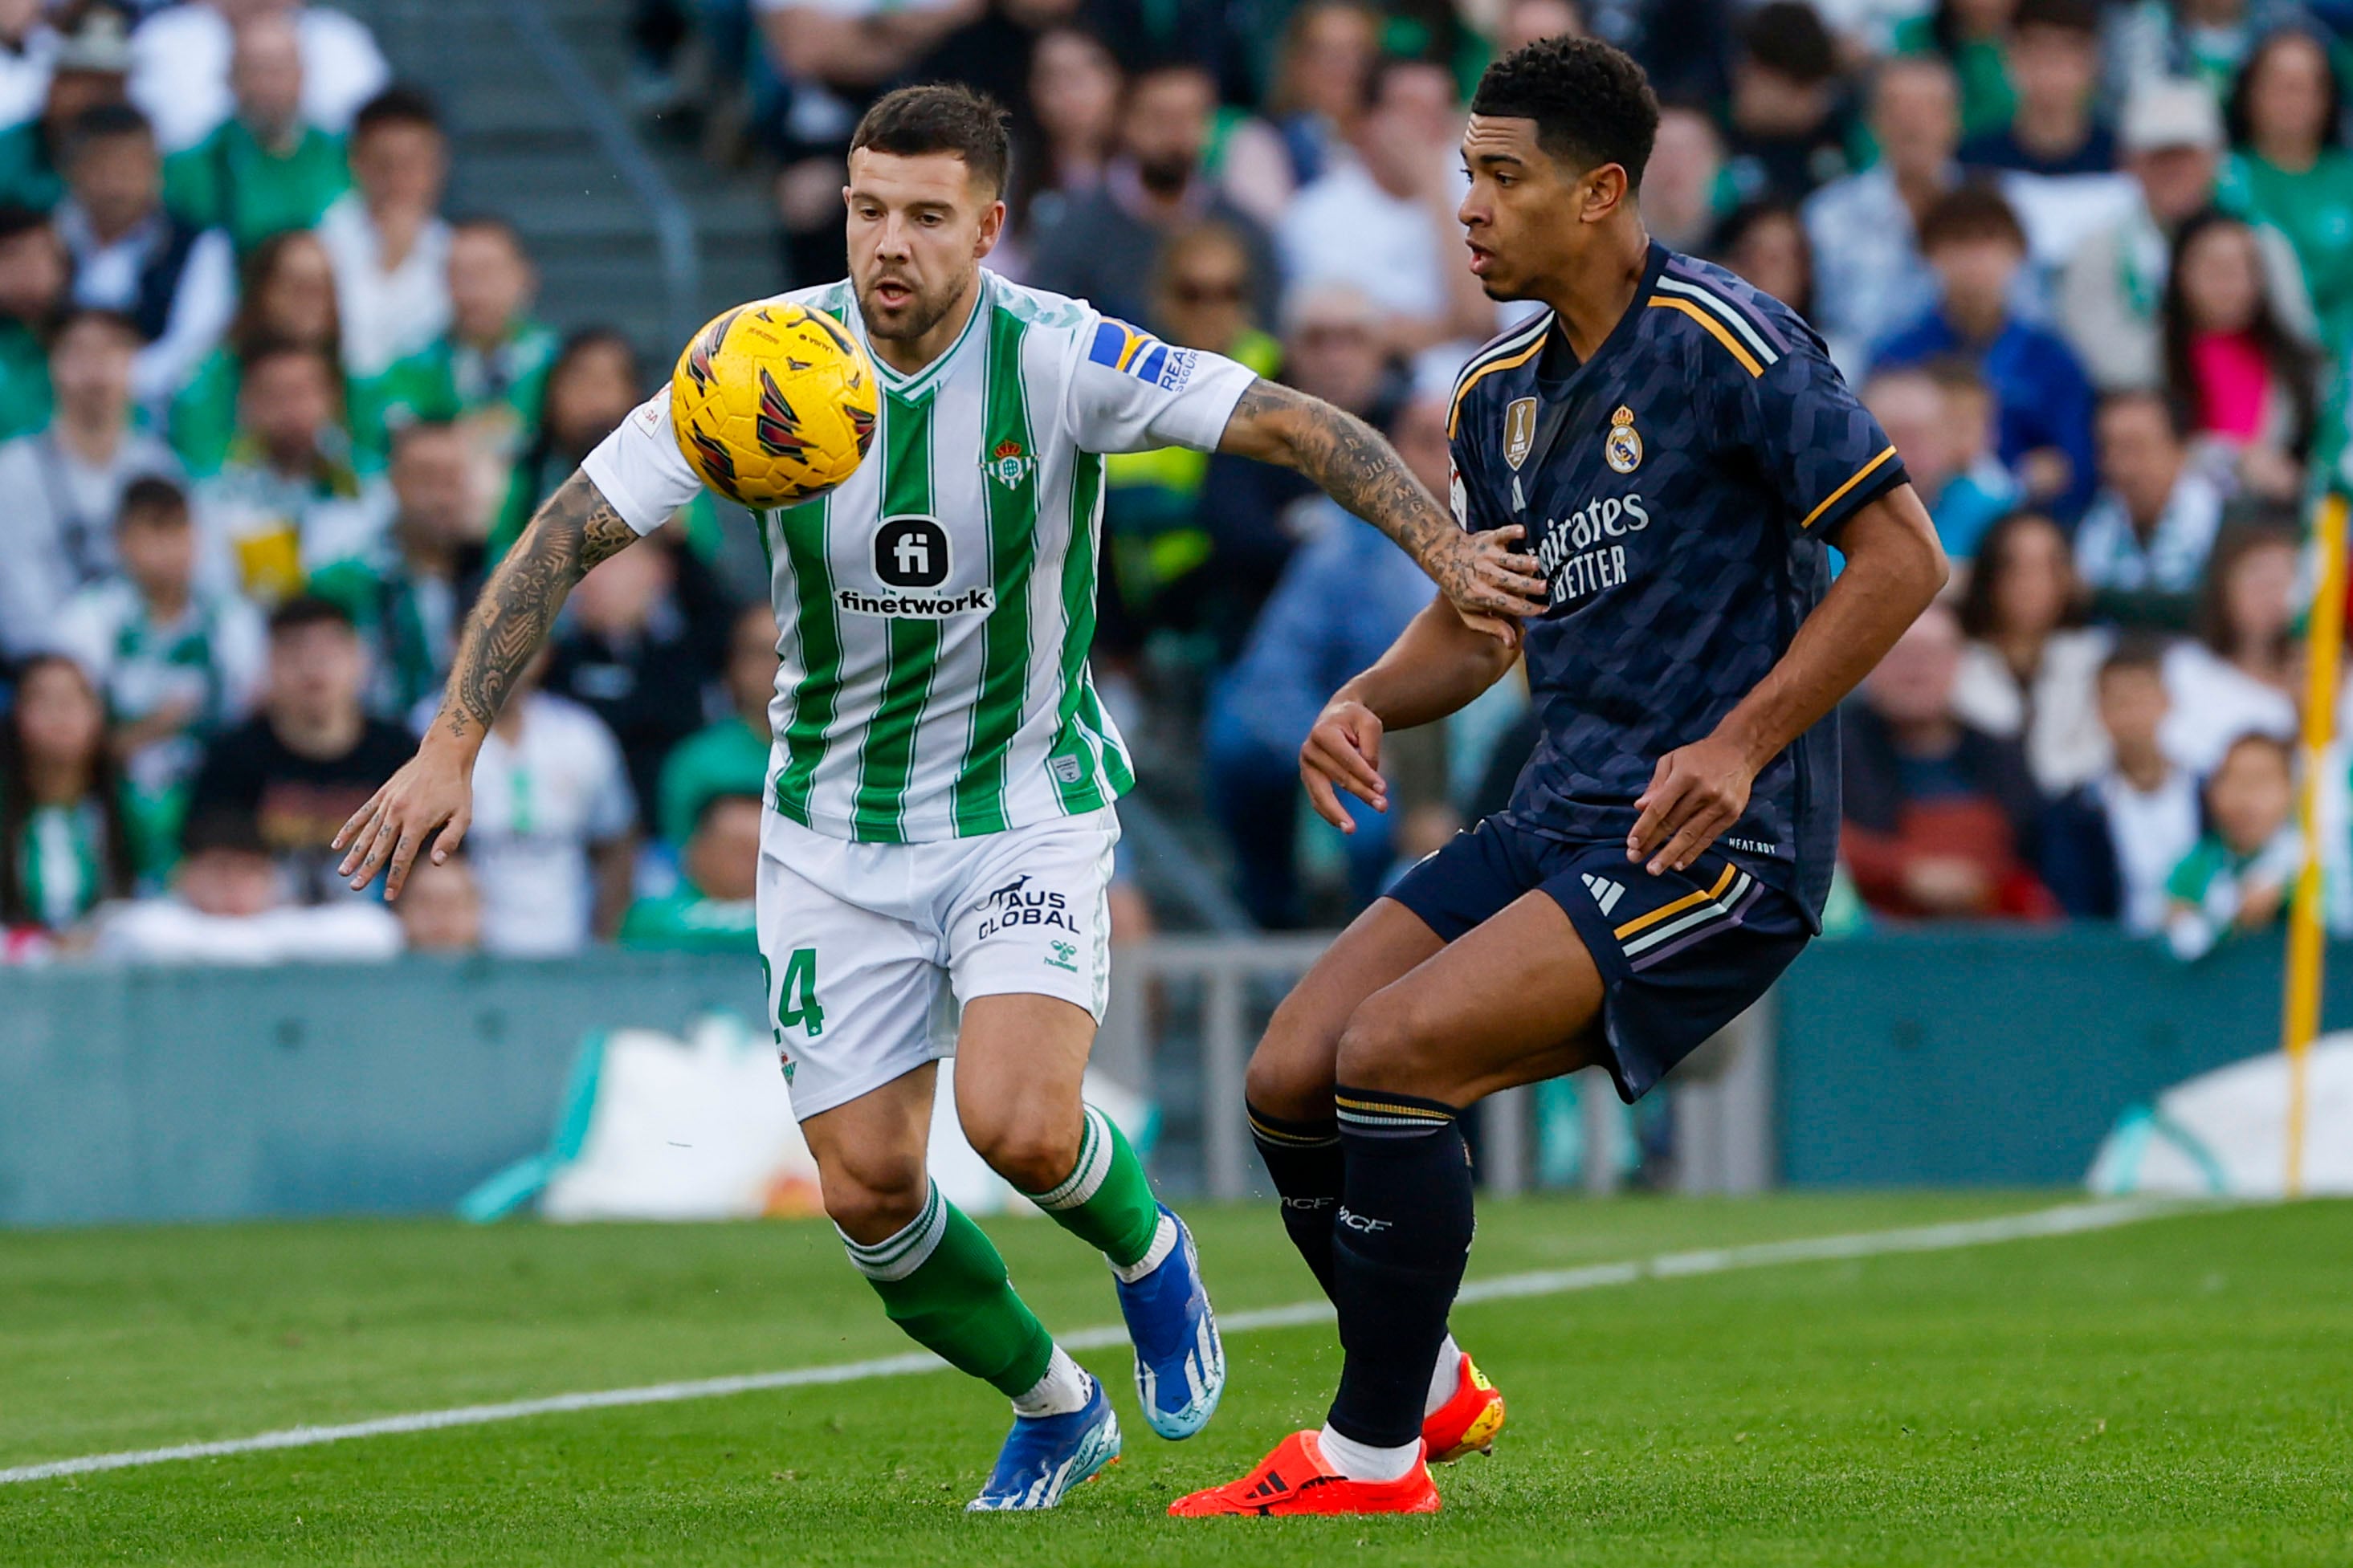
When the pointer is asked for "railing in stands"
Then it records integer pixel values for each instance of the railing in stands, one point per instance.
(666, 213)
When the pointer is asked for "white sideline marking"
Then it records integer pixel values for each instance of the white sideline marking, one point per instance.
(2067, 1219)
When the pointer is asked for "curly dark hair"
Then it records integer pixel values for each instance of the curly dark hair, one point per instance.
(1591, 103)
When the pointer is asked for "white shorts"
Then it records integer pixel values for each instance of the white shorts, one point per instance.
(867, 948)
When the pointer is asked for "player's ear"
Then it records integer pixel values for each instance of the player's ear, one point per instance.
(992, 230)
(1606, 190)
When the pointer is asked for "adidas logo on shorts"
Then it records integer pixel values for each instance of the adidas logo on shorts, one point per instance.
(1605, 892)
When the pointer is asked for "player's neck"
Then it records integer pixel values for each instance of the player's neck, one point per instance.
(1600, 288)
(912, 356)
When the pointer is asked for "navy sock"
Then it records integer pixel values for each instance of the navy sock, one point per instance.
(1399, 1250)
(1303, 1159)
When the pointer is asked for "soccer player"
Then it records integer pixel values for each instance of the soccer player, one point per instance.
(1680, 452)
(943, 777)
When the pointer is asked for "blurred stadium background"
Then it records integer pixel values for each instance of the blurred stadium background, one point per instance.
(304, 308)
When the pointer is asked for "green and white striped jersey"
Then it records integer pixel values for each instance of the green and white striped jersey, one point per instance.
(937, 609)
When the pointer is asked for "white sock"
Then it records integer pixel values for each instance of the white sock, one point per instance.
(1444, 1378)
(1065, 1388)
(1164, 1242)
(1362, 1461)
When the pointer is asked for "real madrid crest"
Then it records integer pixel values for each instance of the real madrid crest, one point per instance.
(1519, 429)
(1622, 448)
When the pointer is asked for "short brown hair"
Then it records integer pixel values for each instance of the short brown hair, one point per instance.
(940, 117)
(1970, 212)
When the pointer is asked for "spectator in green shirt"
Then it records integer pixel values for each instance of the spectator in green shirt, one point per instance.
(488, 372)
(92, 69)
(288, 297)
(265, 169)
(32, 285)
(730, 757)
(2290, 168)
(713, 910)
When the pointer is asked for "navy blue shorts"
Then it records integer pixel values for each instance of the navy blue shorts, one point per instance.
(1681, 954)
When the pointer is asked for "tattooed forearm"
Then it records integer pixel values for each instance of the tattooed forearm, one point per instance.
(575, 530)
(1350, 460)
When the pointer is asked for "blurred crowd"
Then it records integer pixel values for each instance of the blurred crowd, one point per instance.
(269, 413)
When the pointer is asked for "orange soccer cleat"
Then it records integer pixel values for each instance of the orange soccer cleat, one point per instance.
(1466, 1424)
(1295, 1479)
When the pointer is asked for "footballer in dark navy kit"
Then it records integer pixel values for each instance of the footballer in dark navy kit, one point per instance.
(1677, 452)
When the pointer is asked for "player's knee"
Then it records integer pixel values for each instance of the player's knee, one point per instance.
(1381, 1048)
(876, 1197)
(1031, 1147)
(1290, 1075)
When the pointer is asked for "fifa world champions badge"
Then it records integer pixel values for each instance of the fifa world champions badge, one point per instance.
(1622, 448)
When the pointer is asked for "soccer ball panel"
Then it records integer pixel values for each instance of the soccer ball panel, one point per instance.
(774, 405)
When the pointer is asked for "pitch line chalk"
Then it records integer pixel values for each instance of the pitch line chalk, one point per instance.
(2067, 1219)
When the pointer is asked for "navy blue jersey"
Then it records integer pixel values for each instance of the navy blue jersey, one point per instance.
(1680, 488)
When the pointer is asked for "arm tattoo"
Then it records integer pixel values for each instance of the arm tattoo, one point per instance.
(575, 530)
(1363, 472)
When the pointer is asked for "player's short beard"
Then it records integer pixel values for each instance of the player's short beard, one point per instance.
(923, 312)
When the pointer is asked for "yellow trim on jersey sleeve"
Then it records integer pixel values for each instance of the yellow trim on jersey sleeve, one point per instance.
(1831, 500)
(1686, 901)
(1715, 328)
(1454, 414)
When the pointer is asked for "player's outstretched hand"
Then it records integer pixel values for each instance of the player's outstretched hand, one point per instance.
(1484, 576)
(433, 791)
(1697, 791)
(1344, 749)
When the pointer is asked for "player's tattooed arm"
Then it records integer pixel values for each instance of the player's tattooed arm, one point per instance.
(1481, 573)
(431, 797)
(575, 530)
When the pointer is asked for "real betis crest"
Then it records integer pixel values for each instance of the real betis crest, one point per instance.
(1009, 465)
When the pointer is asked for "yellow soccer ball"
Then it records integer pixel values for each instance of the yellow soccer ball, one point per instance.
(774, 405)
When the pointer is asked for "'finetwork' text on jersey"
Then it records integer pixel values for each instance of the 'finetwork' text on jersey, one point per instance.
(937, 609)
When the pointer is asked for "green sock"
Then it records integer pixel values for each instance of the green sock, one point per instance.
(1106, 1200)
(941, 1280)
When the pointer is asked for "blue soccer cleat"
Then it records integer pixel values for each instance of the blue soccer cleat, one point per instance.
(1045, 1455)
(1180, 1364)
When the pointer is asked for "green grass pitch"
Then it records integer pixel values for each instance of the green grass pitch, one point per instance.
(2175, 1390)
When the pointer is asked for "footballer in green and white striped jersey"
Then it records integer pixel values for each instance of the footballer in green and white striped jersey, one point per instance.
(937, 609)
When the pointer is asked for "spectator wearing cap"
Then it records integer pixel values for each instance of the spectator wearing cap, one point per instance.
(265, 169)
(182, 55)
(311, 756)
(63, 485)
(488, 373)
(2042, 402)
(2110, 289)
(410, 601)
(89, 68)
(29, 46)
(228, 905)
(178, 660)
(32, 286)
(2288, 167)
(1684, 187)
(388, 239)
(1941, 818)
(129, 253)
(2142, 547)
(713, 909)
(1384, 220)
(1106, 247)
(1871, 277)
(1789, 122)
(289, 498)
(2054, 60)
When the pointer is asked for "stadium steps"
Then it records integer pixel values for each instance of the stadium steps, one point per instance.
(523, 147)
